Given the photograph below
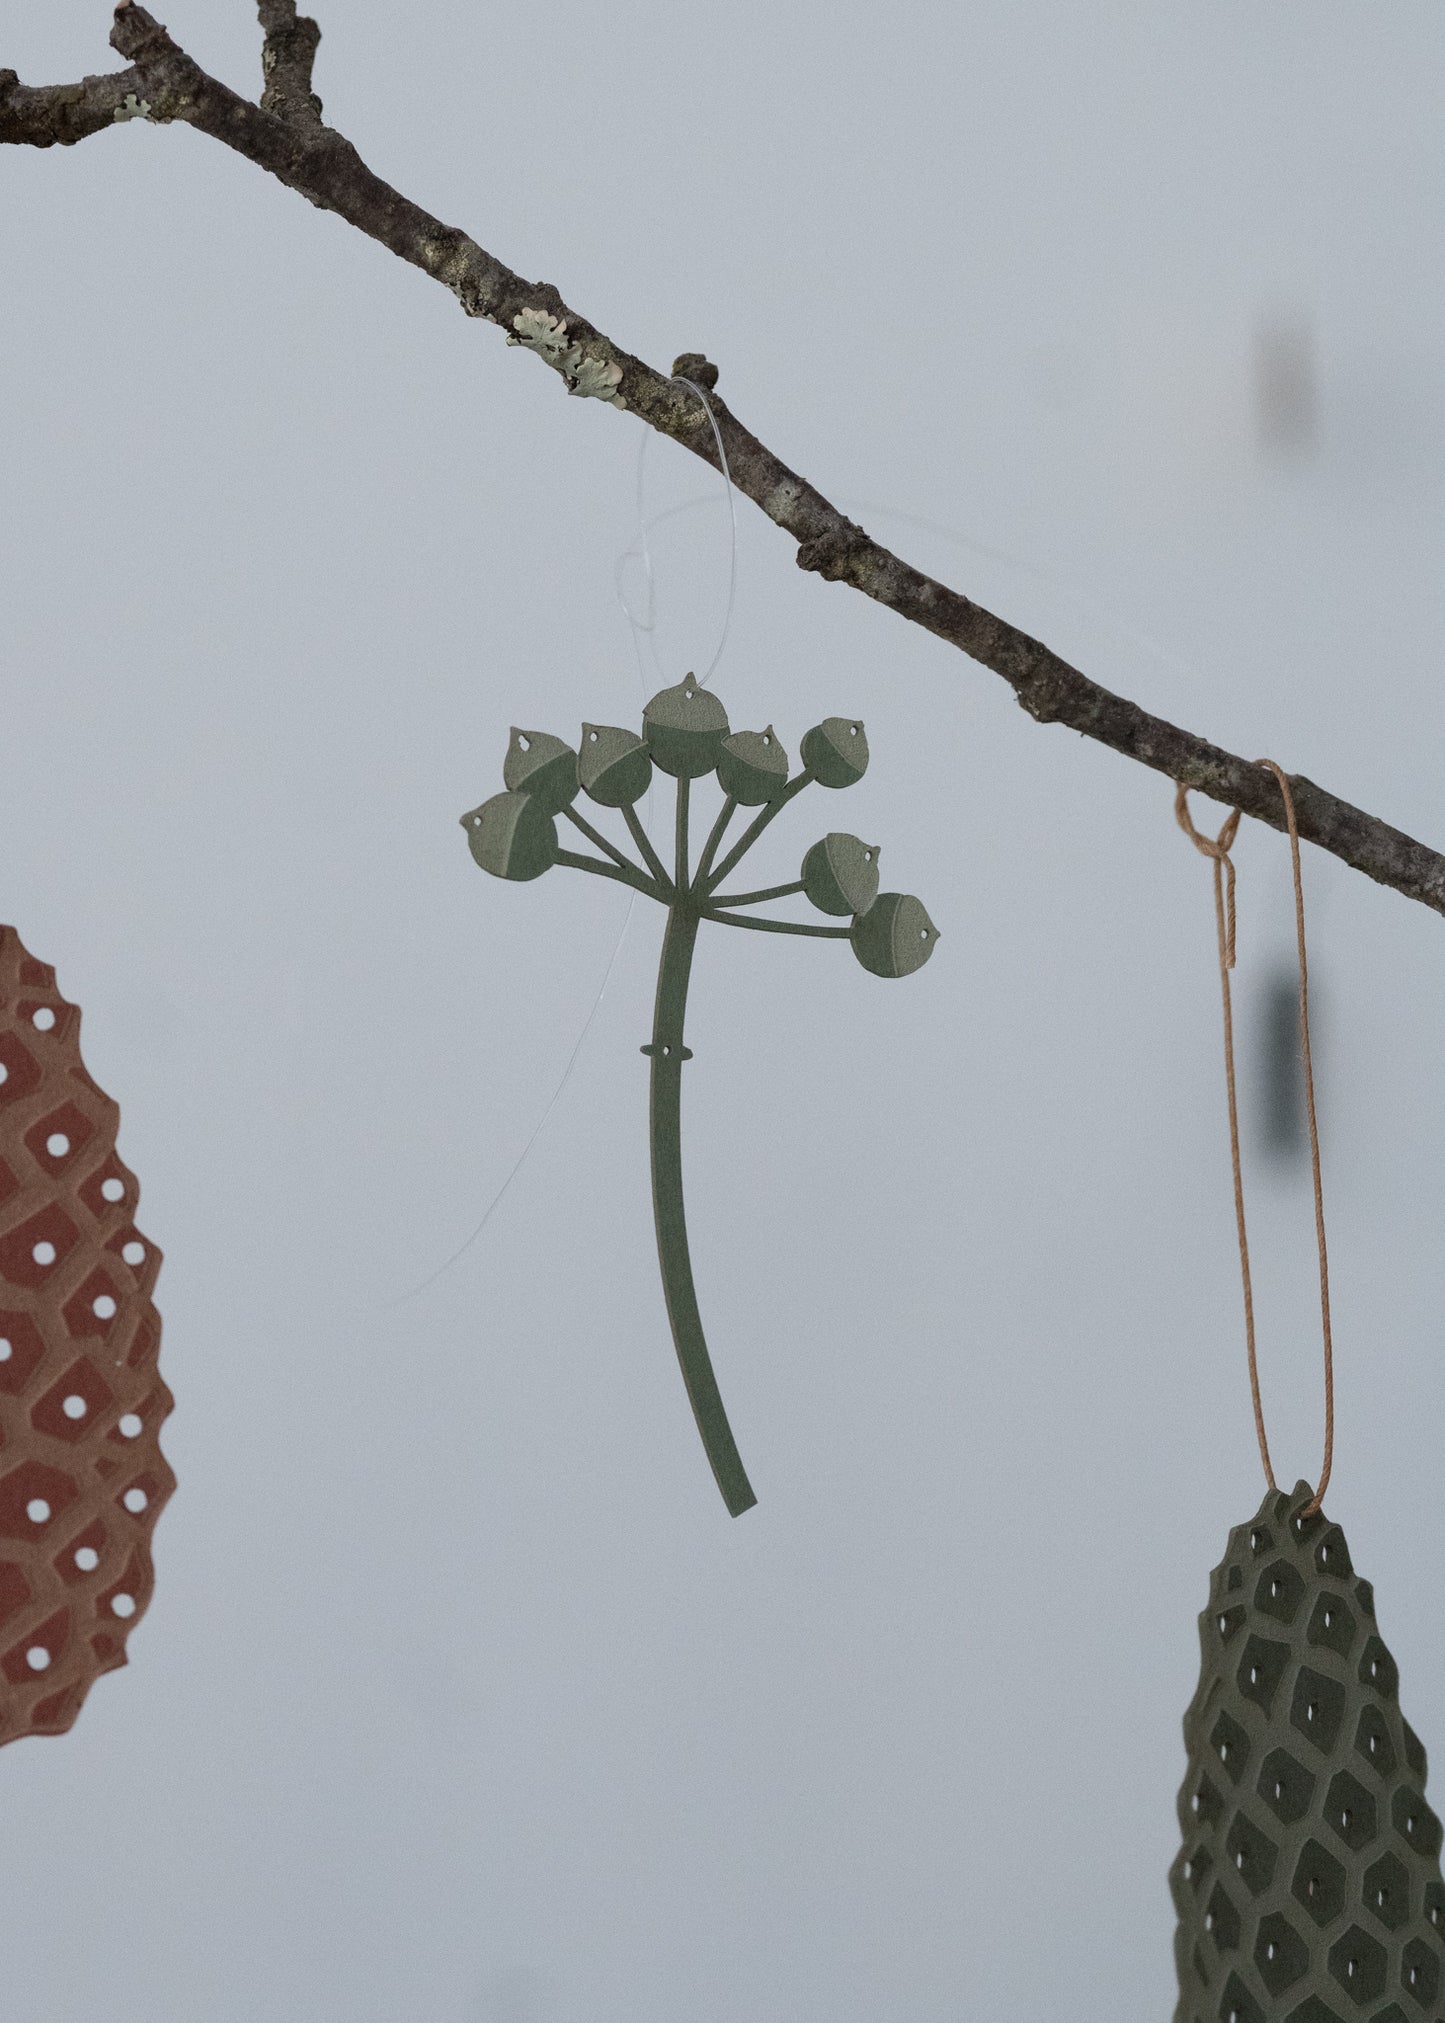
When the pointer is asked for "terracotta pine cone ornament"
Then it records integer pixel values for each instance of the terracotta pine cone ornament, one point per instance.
(82, 1477)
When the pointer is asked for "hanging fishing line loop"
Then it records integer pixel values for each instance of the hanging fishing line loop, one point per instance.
(1217, 849)
(641, 548)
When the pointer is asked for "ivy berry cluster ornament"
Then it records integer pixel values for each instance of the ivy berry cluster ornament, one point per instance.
(685, 735)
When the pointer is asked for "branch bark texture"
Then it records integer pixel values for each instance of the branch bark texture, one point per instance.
(285, 135)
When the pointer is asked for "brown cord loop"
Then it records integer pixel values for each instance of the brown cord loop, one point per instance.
(1217, 850)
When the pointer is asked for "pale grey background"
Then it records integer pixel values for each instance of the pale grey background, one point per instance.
(461, 1698)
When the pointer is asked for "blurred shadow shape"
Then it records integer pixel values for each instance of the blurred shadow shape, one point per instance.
(512, 1996)
(1281, 1108)
(1286, 388)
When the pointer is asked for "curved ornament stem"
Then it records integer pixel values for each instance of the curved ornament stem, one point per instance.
(776, 926)
(756, 898)
(596, 836)
(668, 1054)
(710, 848)
(575, 860)
(756, 827)
(644, 844)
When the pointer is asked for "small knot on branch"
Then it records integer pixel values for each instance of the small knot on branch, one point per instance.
(692, 365)
(287, 59)
(138, 35)
(830, 555)
(1046, 698)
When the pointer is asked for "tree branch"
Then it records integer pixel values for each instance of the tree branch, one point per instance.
(287, 56)
(285, 136)
(58, 115)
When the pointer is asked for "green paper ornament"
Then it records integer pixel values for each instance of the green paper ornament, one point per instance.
(613, 765)
(840, 874)
(685, 727)
(895, 936)
(514, 836)
(542, 766)
(753, 767)
(835, 751)
(1308, 1888)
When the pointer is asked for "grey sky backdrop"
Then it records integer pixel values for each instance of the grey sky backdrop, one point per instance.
(461, 1699)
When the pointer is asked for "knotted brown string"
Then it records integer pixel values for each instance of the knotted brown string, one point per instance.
(1217, 850)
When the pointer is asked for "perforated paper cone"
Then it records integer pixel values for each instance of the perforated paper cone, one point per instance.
(1308, 1888)
(82, 1478)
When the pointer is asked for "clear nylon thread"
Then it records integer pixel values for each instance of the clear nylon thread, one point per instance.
(640, 626)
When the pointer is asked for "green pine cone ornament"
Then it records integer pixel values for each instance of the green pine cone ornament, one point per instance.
(512, 836)
(840, 874)
(685, 727)
(835, 752)
(1308, 1888)
(542, 766)
(895, 936)
(753, 767)
(613, 765)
